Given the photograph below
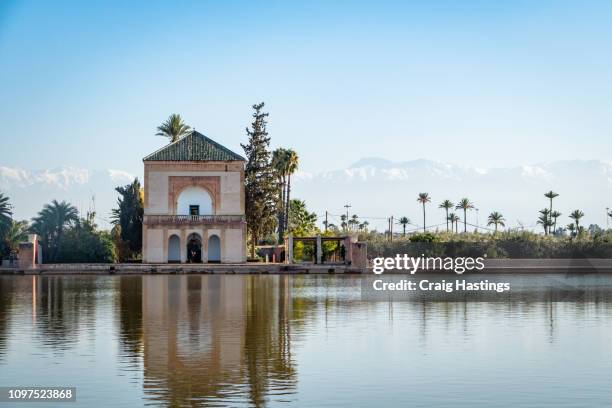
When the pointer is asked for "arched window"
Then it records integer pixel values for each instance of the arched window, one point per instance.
(174, 249)
(194, 201)
(214, 249)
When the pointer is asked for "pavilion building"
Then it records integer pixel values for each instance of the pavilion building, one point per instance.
(194, 208)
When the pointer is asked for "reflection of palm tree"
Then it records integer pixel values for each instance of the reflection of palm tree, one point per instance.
(267, 340)
(173, 128)
(576, 215)
(447, 205)
(464, 204)
(496, 219)
(404, 221)
(129, 302)
(423, 199)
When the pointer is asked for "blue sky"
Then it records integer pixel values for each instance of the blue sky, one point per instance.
(476, 82)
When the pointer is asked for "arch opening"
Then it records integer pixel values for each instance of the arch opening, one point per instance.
(194, 201)
(194, 248)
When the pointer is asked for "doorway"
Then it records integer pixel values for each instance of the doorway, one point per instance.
(194, 248)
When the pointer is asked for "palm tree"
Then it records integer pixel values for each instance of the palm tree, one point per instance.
(5, 213)
(447, 205)
(454, 219)
(550, 195)
(544, 219)
(292, 165)
(51, 223)
(571, 227)
(353, 221)
(423, 199)
(343, 222)
(404, 221)
(173, 128)
(279, 162)
(576, 215)
(496, 219)
(17, 232)
(554, 215)
(464, 204)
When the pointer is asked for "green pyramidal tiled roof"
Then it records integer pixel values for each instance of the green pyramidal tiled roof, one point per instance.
(193, 147)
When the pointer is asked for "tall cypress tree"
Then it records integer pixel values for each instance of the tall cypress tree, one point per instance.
(129, 215)
(261, 188)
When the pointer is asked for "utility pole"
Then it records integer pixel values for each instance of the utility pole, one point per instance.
(325, 220)
(477, 217)
(391, 229)
(607, 217)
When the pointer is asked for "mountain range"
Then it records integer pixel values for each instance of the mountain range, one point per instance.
(375, 188)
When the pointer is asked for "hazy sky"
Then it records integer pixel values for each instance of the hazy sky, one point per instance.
(85, 84)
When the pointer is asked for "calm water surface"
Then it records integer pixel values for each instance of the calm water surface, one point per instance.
(304, 341)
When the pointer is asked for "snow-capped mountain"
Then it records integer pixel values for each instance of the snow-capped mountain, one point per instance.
(29, 190)
(374, 187)
(377, 187)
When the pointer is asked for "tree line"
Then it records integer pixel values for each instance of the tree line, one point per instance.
(548, 217)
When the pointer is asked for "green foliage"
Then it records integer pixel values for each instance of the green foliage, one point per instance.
(447, 205)
(285, 163)
(129, 215)
(17, 232)
(83, 243)
(5, 212)
(506, 244)
(576, 215)
(50, 224)
(301, 222)
(122, 249)
(465, 205)
(261, 191)
(5, 221)
(404, 221)
(496, 219)
(424, 237)
(173, 128)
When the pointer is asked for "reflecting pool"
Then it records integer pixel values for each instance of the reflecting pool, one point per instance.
(259, 340)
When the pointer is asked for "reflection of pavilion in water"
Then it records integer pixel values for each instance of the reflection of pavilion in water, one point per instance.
(212, 337)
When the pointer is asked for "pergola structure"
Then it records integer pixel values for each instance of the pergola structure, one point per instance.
(350, 251)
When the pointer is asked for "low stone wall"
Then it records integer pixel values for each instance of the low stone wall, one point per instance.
(588, 265)
(576, 265)
(145, 269)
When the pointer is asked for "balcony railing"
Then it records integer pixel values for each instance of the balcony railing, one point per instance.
(193, 219)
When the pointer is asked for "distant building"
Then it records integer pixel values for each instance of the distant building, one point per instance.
(194, 203)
